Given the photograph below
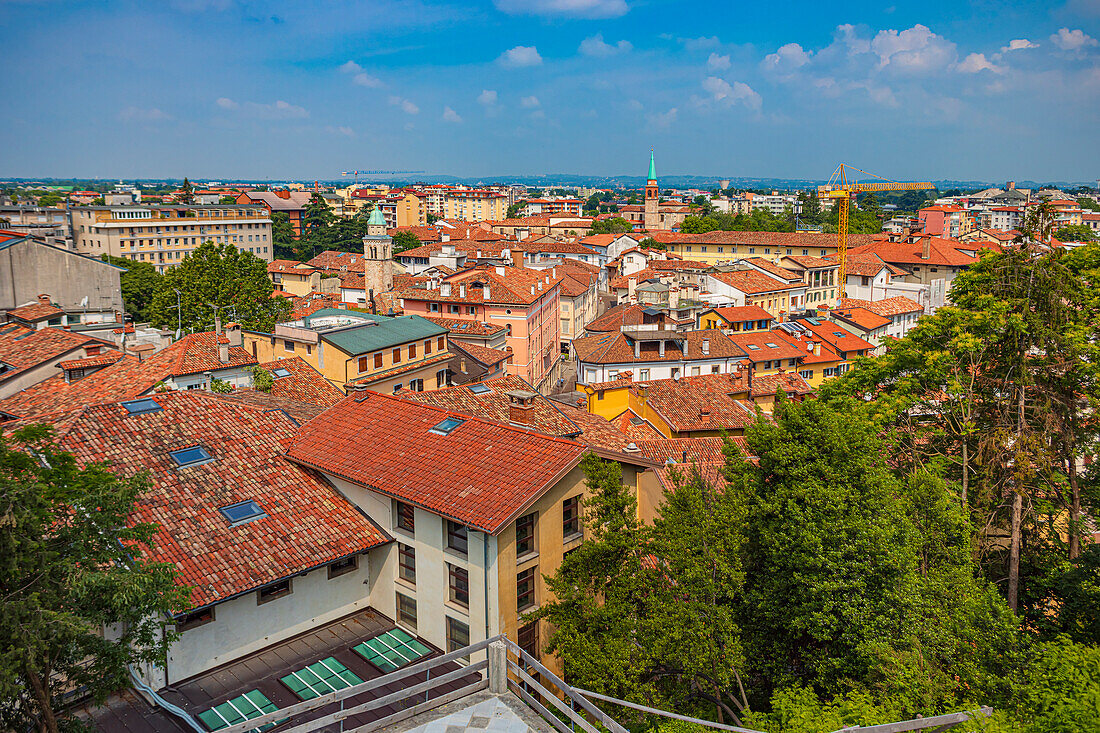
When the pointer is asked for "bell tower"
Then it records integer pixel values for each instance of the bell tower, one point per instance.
(377, 251)
(652, 218)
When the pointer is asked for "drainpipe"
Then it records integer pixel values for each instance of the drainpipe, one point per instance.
(485, 566)
(161, 702)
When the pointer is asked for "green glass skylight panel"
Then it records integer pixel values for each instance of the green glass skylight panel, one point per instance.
(320, 678)
(248, 706)
(392, 650)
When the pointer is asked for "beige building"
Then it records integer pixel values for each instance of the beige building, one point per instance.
(164, 235)
(474, 205)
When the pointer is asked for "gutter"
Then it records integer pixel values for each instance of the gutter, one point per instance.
(159, 701)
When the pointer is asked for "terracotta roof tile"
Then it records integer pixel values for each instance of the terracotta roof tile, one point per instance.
(752, 282)
(481, 473)
(742, 313)
(547, 417)
(484, 354)
(36, 312)
(705, 402)
(460, 328)
(886, 307)
(306, 524)
(304, 383)
(861, 317)
(99, 360)
(23, 348)
(618, 348)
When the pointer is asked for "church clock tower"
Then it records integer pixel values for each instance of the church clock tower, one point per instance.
(652, 217)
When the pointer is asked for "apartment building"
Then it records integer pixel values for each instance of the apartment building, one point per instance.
(474, 205)
(291, 203)
(654, 354)
(750, 287)
(164, 235)
(526, 302)
(552, 207)
(719, 246)
(945, 221)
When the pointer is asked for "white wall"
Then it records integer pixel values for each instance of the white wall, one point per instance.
(657, 369)
(242, 626)
(235, 377)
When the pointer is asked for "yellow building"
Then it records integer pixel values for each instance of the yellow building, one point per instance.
(722, 247)
(164, 235)
(299, 278)
(474, 205)
(361, 350)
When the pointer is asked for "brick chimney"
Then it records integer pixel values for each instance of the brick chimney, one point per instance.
(926, 248)
(44, 299)
(521, 407)
(233, 333)
(283, 194)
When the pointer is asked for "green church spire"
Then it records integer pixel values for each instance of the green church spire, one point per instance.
(652, 167)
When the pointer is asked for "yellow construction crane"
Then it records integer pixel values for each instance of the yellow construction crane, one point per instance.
(841, 189)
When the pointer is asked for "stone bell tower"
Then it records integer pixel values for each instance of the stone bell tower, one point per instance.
(377, 251)
(652, 217)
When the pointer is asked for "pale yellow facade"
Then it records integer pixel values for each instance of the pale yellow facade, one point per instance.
(718, 253)
(474, 205)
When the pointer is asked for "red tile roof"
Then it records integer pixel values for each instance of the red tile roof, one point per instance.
(294, 266)
(886, 307)
(618, 348)
(461, 328)
(866, 265)
(617, 317)
(809, 261)
(834, 335)
(198, 352)
(799, 240)
(104, 359)
(861, 318)
(35, 312)
(752, 282)
(485, 354)
(511, 288)
(688, 450)
(773, 269)
(23, 348)
(765, 345)
(941, 252)
(769, 384)
(692, 404)
(304, 384)
(333, 261)
(742, 313)
(494, 405)
(482, 473)
(307, 523)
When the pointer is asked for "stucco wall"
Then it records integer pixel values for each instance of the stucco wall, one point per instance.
(28, 269)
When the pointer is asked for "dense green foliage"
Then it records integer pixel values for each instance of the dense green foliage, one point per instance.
(615, 225)
(911, 543)
(139, 282)
(67, 569)
(403, 241)
(217, 275)
(1075, 233)
(262, 379)
(760, 220)
(282, 235)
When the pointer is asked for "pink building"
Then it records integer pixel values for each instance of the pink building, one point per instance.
(525, 302)
(947, 221)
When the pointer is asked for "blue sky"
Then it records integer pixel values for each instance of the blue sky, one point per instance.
(306, 89)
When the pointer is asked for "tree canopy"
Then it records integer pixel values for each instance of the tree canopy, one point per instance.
(69, 566)
(139, 283)
(219, 275)
(615, 225)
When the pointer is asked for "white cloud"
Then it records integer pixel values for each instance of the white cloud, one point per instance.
(359, 76)
(847, 35)
(663, 120)
(571, 8)
(138, 114)
(786, 59)
(487, 97)
(340, 130)
(718, 63)
(722, 91)
(277, 110)
(406, 105)
(529, 102)
(1018, 44)
(635, 105)
(520, 56)
(226, 103)
(916, 49)
(1075, 41)
(449, 115)
(595, 46)
(976, 62)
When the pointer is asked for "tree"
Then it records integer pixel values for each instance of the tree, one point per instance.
(616, 225)
(262, 379)
(187, 192)
(513, 209)
(1089, 204)
(404, 240)
(227, 200)
(282, 235)
(139, 283)
(223, 276)
(1075, 233)
(317, 216)
(71, 565)
(698, 224)
(651, 243)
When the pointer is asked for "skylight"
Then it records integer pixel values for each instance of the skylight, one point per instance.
(754, 347)
(280, 373)
(479, 388)
(770, 345)
(447, 426)
(191, 456)
(245, 511)
(140, 407)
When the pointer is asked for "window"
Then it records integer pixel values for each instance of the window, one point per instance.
(828, 372)
(715, 369)
(364, 364)
(643, 374)
(320, 678)
(806, 374)
(396, 356)
(343, 566)
(377, 360)
(525, 589)
(457, 539)
(280, 372)
(397, 388)
(433, 307)
(406, 611)
(416, 385)
(447, 426)
(571, 517)
(441, 378)
(412, 350)
(194, 619)
(250, 705)
(288, 345)
(529, 638)
(440, 343)
(525, 534)
(453, 309)
(191, 456)
(458, 635)
(245, 511)
(406, 517)
(140, 407)
(406, 563)
(427, 347)
(273, 591)
(458, 584)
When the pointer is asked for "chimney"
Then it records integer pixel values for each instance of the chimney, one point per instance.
(521, 408)
(631, 287)
(283, 194)
(233, 332)
(817, 348)
(926, 248)
(223, 349)
(444, 237)
(44, 299)
(554, 272)
(637, 349)
(517, 257)
(445, 290)
(485, 292)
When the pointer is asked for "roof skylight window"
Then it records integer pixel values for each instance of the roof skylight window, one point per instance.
(754, 347)
(191, 456)
(479, 388)
(245, 511)
(141, 407)
(447, 426)
(280, 373)
(770, 345)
